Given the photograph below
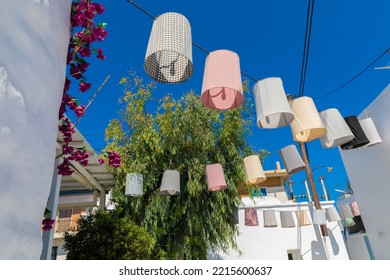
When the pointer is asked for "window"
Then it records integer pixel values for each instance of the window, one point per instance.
(54, 251)
(65, 213)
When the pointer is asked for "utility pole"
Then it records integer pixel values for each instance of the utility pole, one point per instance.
(307, 190)
(317, 205)
(323, 188)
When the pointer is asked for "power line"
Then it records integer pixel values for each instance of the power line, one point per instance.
(357, 75)
(306, 46)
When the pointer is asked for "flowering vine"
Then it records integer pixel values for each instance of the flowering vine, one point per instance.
(47, 221)
(84, 34)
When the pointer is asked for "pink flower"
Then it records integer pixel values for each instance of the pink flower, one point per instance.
(47, 224)
(75, 72)
(64, 169)
(83, 87)
(101, 161)
(79, 110)
(99, 8)
(86, 51)
(114, 159)
(100, 54)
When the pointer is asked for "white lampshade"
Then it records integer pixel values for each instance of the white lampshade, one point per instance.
(134, 184)
(371, 132)
(169, 54)
(337, 130)
(291, 159)
(307, 124)
(319, 217)
(272, 107)
(170, 184)
(345, 211)
(332, 214)
(253, 170)
(269, 218)
(286, 219)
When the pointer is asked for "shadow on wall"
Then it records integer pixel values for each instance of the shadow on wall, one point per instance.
(333, 242)
(317, 251)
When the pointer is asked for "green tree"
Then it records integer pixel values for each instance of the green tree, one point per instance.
(104, 235)
(183, 135)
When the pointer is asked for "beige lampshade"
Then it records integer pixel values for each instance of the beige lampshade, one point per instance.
(303, 218)
(169, 53)
(269, 218)
(134, 184)
(332, 214)
(319, 217)
(286, 219)
(272, 106)
(253, 170)
(222, 85)
(307, 124)
(170, 184)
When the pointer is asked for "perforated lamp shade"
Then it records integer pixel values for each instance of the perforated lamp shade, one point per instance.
(222, 85)
(319, 217)
(134, 184)
(345, 211)
(371, 132)
(272, 106)
(357, 130)
(291, 159)
(269, 218)
(170, 184)
(215, 177)
(332, 215)
(286, 219)
(337, 130)
(307, 124)
(169, 53)
(303, 218)
(253, 170)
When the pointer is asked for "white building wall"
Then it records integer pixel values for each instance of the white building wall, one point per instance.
(368, 171)
(261, 243)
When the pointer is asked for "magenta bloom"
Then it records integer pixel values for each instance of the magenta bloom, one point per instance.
(47, 224)
(99, 8)
(84, 87)
(85, 51)
(114, 159)
(101, 161)
(100, 54)
(79, 110)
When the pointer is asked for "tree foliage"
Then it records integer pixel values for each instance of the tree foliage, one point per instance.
(104, 235)
(186, 136)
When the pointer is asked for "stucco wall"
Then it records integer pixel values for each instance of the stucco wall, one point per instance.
(368, 171)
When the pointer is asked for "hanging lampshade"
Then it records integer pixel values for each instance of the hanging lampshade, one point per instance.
(337, 130)
(253, 170)
(345, 211)
(251, 217)
(272, 107)
(357, 130)
(269, 218)
(169, 53)
(286, 219)
(170, 184)
(236, 218)
(332, 215)
(307, 124)
(355, 209)
(371, 132)
(291, 159)
(215, 177)
(134, 184)
(319, 217)
(222, 85)
(303, 218)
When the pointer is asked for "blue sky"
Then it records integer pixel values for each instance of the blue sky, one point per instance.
(268, 36)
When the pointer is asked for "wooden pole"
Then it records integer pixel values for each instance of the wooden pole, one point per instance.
(313, 189)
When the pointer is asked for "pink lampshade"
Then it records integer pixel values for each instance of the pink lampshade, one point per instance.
(355, 208)
(251, 217)
(222, 85)
(215, 177)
